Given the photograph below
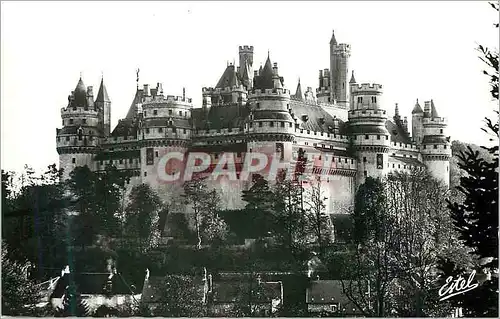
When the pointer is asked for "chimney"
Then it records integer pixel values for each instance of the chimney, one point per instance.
(159, 88)
(183, 94)
(146, 90)
(427, 108)
(405, 123)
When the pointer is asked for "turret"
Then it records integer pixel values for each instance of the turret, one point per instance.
(245, 71)
(78, 139)
(367, 128)
(436, 146)
(103, 104)
(339, 65)
(417, 128)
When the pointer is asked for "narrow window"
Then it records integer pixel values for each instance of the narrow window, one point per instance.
(174, 130)
(366, 137)
(73, 160)
(84, 121)
(67, 138)
(160, 130)
(169, 112)
(121, 161)
(184, 131)
(441, 131)
(155, 112)
(271, 124)
(180, 113)
(70, 121)
(130, 160)
(258, 105)
(260, 124)
(364, 159)
(366, 173)
(378, 137)
(435, 146)
(144, 113)
(147, 131)
(145, 174)
(282, 124)
(156, 153)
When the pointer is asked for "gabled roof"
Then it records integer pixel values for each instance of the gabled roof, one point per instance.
(231, 291)
(229, 78)
(102, 95)
(93, 284)
(132, 111)
(266, 79)
(398, 134)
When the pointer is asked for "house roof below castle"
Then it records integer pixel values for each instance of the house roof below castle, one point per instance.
(398, 133)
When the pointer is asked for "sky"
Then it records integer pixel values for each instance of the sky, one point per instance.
(424, 50)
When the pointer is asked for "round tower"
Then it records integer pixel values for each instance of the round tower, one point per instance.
(270, 126)
(369, 135)
(417, 128)
(165, 127)
(78, 140)
(435, 147)
(339, 67)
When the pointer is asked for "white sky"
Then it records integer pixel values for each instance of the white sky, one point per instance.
(414, 49)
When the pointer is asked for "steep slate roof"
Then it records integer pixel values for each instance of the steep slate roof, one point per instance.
(229, 78)
(353, 80)
(398, 134)
(315, 113)
(126, 127)
(132, 111)
(92, 284)
(231, 116)
(405, 161)
(102, 95)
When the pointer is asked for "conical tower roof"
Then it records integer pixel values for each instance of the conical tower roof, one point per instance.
(298, 92)
(333, 41)
(434, 112)
(80, 94)
(417, 109)
(353, 80)
(102, 95)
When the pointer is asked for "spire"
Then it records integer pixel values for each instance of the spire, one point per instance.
(417, 109)
(333, 41)
(396, 112)
(353, 80)
(102, 95)
(298, 92)
(433, 110)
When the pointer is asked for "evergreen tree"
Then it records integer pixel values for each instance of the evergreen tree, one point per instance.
(476, 216)
(258, 210)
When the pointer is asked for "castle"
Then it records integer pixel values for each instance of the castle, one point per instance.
(250, 110)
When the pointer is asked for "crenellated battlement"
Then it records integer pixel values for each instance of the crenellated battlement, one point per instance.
(367, 113)
(78, 111)
(184, 101)
(370, 88)
(246, 48)
(434, 121)
(226, 90)
(268, 92)
(342, 48)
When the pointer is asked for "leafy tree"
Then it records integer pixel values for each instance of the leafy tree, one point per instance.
(19, 294)
(289, 217)
(209, 225)
(318, 221)
(97, 197)
(142, 215)
(181, 296)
